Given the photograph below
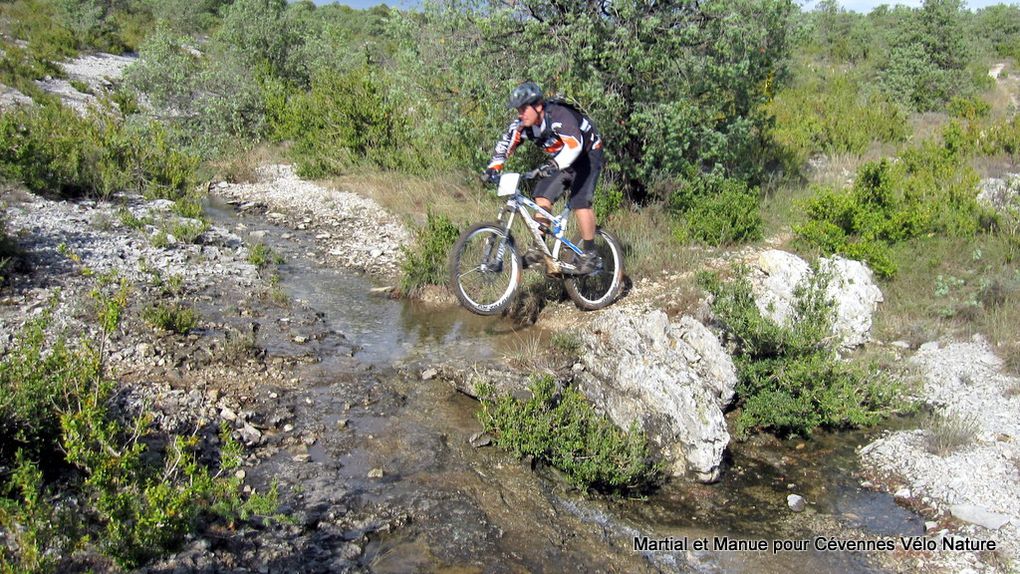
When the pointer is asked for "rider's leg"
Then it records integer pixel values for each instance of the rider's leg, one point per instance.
(546, 205)
(587, 168)
(586, 223)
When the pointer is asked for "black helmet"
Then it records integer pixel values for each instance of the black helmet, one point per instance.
(525, 94)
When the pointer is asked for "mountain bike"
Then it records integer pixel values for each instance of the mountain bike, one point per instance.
(486, 263)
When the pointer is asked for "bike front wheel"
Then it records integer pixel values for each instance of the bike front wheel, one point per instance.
(602, 286)
(485, 269)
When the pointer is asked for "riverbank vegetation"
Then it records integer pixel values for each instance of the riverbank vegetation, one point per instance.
(727, 122)
(85, 481)
(560, 428)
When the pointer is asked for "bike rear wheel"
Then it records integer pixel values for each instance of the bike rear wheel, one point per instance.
(602, 286)
(485, 269)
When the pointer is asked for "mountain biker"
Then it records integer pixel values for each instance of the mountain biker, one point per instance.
(575, 150)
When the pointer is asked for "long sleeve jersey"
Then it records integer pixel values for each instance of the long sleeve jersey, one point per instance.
(564, 134)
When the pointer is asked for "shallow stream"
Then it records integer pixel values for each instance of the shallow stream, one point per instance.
(388, 440)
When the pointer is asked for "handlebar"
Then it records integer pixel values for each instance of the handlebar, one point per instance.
(528, 175)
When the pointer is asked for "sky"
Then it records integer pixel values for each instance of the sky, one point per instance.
(863, 6)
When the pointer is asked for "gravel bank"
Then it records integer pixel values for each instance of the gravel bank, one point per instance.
(965, 380)
(353, 231)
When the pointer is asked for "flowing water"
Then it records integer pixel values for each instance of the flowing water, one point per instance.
(388, 440)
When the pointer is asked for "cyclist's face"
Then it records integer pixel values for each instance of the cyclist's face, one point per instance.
(529, 115)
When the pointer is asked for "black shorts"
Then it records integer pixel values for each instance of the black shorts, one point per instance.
(580, 178)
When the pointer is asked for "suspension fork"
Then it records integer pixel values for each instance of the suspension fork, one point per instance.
(508, 212)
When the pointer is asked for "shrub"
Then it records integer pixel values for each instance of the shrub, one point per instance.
(188, 230)
(607, 201)
(831, 112)
(929, 190)
(348, 120)
(261, 255)
(563, 430)
(425, 261)
(52, 149)
(136, 495)
(175, 318)
(716, 210)
(789, 380)
(10, 253)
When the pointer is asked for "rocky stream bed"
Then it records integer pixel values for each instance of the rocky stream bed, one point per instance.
(348, 400)
(356, 405)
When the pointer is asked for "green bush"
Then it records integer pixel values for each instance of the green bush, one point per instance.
(52, 149)
(607, 201)
(425, 261)
(929, 190)
(716, 210)
(10, 253)
(563, 430)
(261, 255)
(134, 499)
(348, 120)
(829, 111)
(789, 379)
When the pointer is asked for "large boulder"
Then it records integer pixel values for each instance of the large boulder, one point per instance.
(775, 276)
(671, 379)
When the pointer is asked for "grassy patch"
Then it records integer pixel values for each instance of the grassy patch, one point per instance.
(174, 318)
(261, 255)
(563, 430)
(947, 432)
(528, 354)
(650, 246)
(951, 286)
(567, 343)
(425, 261)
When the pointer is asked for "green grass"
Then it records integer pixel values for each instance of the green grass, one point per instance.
(951, 286)
(261, 255)
(424, 262)
(173, 318)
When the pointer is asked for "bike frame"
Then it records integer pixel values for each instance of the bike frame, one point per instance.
(519, 204)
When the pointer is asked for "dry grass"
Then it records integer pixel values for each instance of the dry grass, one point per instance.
(649, 247)
(927, 125)
(458, 197)
(951, 287)
(948, 432)
(527, 354)
(243, 166)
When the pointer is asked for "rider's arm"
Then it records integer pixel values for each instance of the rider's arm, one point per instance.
(506, 145)
(571, 140)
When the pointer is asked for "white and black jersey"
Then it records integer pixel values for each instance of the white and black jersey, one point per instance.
(564, 134)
